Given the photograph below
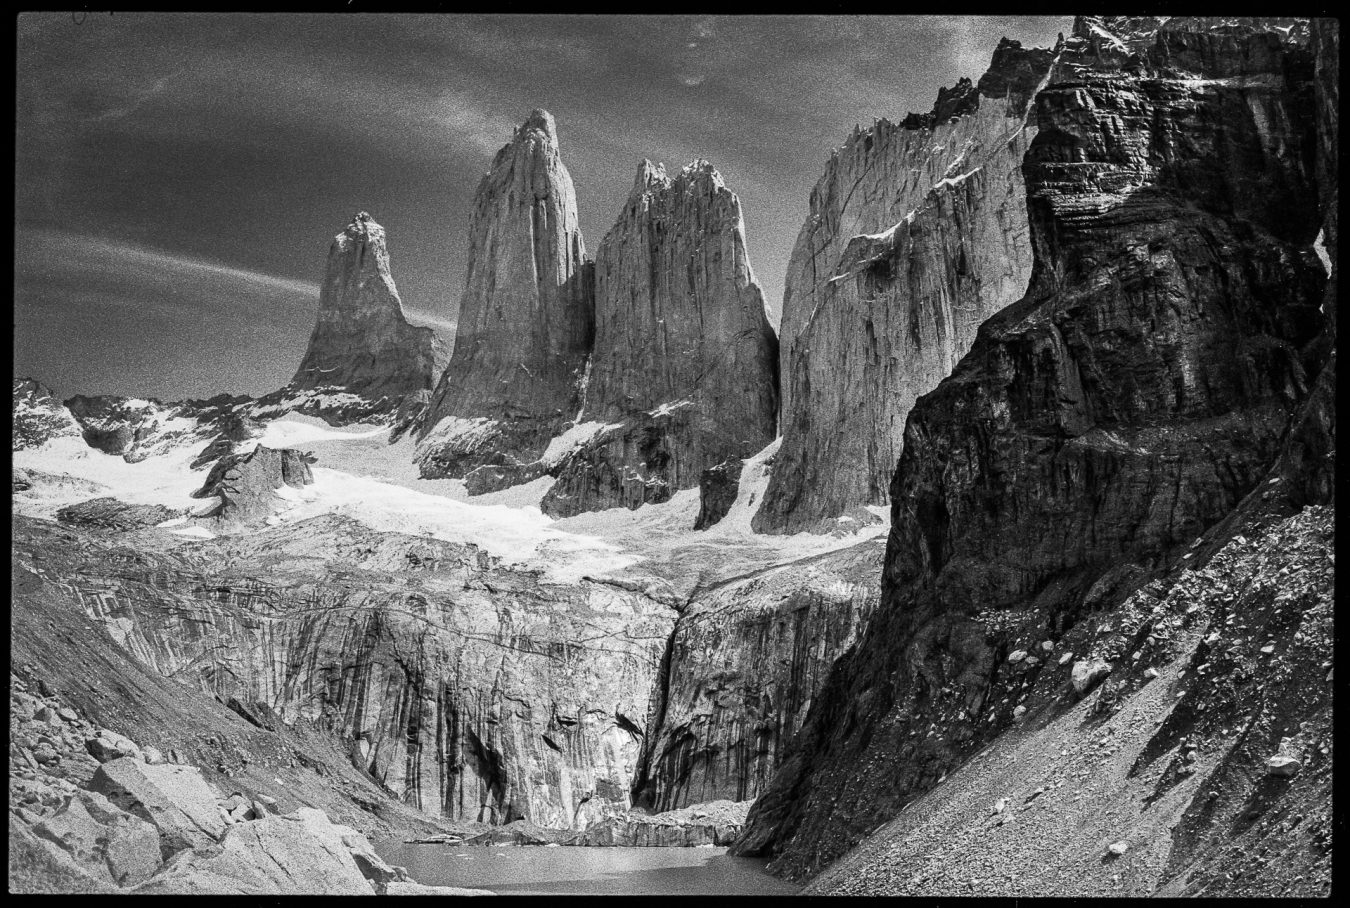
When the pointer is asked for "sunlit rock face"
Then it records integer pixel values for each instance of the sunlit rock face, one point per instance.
(1141, 388)
(917, 233)
(362, 346)
(684, 372)
(526, 320)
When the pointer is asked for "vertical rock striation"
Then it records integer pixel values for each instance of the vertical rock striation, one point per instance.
(917, 233)
(526, 320)
(683, 376)
(1137, 392)
(467, 690)
(364, 358)
(746, 660)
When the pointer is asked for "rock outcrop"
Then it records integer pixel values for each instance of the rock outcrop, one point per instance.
(130, 428)
(244, 486)
(717, 491)
(746, 661)
(714, 823)
(917, 233)
(1096, 428)
(135, 429)
(111, 514)
(39, 417)
(684, 372)
(526, 320)
(364, 359)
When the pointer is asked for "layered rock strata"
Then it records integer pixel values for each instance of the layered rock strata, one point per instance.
(683, 375)
(111, 514)
(526, 320)
(364, 359)
(917, 233)
(92, 810)
(1096, 428)
(466, 690)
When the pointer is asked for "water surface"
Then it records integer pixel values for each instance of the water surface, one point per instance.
(572, 870)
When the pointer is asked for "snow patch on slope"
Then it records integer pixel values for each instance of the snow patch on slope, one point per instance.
(519, 535)
(576, 436)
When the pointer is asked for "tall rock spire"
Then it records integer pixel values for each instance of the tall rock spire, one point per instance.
(684, 371)
(526, 319)
(364, 359)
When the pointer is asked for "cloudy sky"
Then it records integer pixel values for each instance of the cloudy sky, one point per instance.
(179, 177)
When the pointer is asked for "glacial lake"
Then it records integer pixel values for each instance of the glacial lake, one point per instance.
(572, 870)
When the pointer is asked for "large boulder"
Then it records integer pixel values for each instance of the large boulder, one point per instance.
(37, 865)
(176, 799)
(108, 843)
(296, 853)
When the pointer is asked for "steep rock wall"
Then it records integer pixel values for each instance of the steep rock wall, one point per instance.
(467, 691)
(526, 320)
(745, 662)
(680, 326)
(917, 233)
(1127, 403)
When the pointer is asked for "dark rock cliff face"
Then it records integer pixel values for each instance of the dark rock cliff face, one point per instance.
(364, 358)
(1141, 388)
(746, 660)
(526, 320)
(917, 234)
(466, 690)
(684, 370)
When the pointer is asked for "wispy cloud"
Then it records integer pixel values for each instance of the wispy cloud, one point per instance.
(38, 250)
(132, 102)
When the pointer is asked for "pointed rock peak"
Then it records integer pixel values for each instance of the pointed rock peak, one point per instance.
(541, 124)
(648, 175)
(363, 224)
(362, 229)
(701, 171)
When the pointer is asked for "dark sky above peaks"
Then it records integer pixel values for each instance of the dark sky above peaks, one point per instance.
(180, 176)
